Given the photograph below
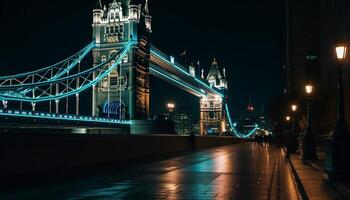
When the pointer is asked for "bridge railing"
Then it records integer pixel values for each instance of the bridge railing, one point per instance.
(59, 116)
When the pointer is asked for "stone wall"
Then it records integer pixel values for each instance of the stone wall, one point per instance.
(36, 154)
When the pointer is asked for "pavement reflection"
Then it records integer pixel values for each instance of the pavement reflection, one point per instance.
(240, 171)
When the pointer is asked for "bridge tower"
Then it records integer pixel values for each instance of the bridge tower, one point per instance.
(124, 94)
(212, 114)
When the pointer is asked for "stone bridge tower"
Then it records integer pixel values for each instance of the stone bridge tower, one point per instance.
(212, 110)
(124, 94)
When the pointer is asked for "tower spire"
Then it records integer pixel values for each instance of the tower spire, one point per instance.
(146, 9)
(98, 4)
(214, 62)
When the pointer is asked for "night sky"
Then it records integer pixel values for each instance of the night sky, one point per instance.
(245, 36)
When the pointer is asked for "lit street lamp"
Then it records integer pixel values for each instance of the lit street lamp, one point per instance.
(171, 107)
(309, 145)
(293, 139)
(335, 156)
(287, 118)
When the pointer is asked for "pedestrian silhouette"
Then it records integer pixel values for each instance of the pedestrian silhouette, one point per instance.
(193, 142)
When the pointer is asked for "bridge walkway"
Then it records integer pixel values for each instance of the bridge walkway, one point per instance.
(239, 171)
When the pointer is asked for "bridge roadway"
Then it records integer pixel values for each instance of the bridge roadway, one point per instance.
(241, 171)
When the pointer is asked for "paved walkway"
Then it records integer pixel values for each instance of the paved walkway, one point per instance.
(241, 171)
(316, 187)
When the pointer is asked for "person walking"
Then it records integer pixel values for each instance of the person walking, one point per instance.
(193, 142)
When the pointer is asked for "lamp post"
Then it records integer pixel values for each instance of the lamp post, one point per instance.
(336, 158)
(309, 145)
(294, 108)
(171, 107)
(287, 118)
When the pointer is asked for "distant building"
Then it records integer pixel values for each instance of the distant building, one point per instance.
(212, 111)
(313, 29)
(183, 121)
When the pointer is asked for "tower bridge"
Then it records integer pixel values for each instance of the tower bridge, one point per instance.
(123, 60)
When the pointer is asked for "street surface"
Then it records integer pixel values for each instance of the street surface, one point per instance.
(239, 171)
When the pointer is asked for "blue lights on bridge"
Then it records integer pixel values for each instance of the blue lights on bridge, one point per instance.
(154, 70)
(245, 135)
(167, 59)
(51, 116)
(20, 88)
(234, 125)
(15, 96)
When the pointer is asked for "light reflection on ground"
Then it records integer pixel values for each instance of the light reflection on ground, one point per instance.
(240, 171)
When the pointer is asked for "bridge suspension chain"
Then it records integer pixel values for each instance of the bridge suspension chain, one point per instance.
(68, 85)
(48, 73)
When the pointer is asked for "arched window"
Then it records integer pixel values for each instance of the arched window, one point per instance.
(112, 15)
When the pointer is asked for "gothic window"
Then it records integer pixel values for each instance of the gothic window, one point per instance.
(114, 80)
(116, 29)
(211, 104)
(126, 59)
(211, 115)
(112, 15)
(103, 58)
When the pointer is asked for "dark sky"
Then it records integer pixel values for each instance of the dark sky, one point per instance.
(245, 36)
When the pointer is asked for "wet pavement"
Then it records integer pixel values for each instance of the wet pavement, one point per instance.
(239, 171)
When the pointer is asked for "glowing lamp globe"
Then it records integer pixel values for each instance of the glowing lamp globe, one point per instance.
(341, 51)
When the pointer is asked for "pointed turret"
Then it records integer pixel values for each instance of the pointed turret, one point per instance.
(148, 17)
(146, 9)
(98, 5)
(215, 78)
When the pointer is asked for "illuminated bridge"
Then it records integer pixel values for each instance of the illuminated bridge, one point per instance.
(123, 60)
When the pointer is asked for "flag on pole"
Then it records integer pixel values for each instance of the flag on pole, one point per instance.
(184, 53)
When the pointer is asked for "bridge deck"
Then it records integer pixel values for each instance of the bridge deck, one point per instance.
(241, 171)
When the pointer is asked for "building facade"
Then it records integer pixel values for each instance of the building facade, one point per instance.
(212, 110)
(313, 29)
(124, 94)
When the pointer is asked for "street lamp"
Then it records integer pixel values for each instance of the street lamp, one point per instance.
(309, 145)
(336, 158)
(287, 118)
(308, 89)
(293, 139)
(171, 107)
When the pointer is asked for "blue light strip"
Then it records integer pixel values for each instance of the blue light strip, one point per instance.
(176, 81)
(90, 46)
(245, 136)
(50, 116)
(181, 69)
(63, 95)
(233, 126)
(168, 62)
(207, 86)
(229, 116)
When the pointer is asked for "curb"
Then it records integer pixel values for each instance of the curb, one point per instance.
(340, 187)
(297, 182)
